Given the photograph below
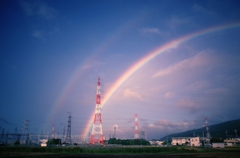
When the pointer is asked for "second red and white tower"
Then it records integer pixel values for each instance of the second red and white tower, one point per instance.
(136, 133)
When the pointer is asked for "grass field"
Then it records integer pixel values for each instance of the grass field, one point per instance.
(98, 151)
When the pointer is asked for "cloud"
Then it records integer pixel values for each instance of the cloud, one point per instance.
(198, 85)
(168, 95)
(218, 91)
(186, 104)
(38, 8)
(194, 63)
(150, 31)
(175, 22)
(200, 9)
(131, 94)
(171, 126)
(43, 34)
(38, 34)
(92, 64)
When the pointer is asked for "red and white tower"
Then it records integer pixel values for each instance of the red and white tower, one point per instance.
(136, 134)
(96, 136)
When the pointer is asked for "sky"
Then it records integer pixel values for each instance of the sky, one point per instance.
(171, 62)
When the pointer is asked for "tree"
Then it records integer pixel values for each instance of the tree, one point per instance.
(167, 143)
(128, 141)
(216, 140)
(17, 142)
(54, 141)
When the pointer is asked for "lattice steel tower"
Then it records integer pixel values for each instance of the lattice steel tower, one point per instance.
(68, 138)
(96, 136)
(25, 135)
(207, 131)
(136, 133)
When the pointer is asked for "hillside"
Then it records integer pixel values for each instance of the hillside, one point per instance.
(216, 130)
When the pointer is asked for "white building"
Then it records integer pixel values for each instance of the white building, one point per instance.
(156, 142)
(231, 140)
(43, 142)
(189, 141)
(218, 145)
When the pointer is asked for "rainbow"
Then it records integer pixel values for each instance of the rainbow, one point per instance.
(140, 63)
(86, 65)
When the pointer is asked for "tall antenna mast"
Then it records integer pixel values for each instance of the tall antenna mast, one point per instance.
(136, 133)
(96, 136)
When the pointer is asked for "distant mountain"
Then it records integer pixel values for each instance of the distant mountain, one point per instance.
(217, 130)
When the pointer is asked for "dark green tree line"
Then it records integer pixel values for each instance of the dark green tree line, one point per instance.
(128, 141)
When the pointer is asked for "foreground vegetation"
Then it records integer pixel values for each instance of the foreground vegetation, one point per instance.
(116, 151)
(109, 149)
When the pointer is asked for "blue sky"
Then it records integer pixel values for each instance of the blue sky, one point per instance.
(52, 53)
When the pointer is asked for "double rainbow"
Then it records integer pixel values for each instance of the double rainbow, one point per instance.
(140, 63)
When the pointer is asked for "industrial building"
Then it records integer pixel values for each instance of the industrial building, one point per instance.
(189, 141)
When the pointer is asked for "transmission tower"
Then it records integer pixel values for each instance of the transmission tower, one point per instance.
(96, 136)
(207, 131)
(136, 133)
(25, 132)
(68, 139)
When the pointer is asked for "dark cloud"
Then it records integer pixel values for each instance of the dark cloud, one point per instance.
(38, 8)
